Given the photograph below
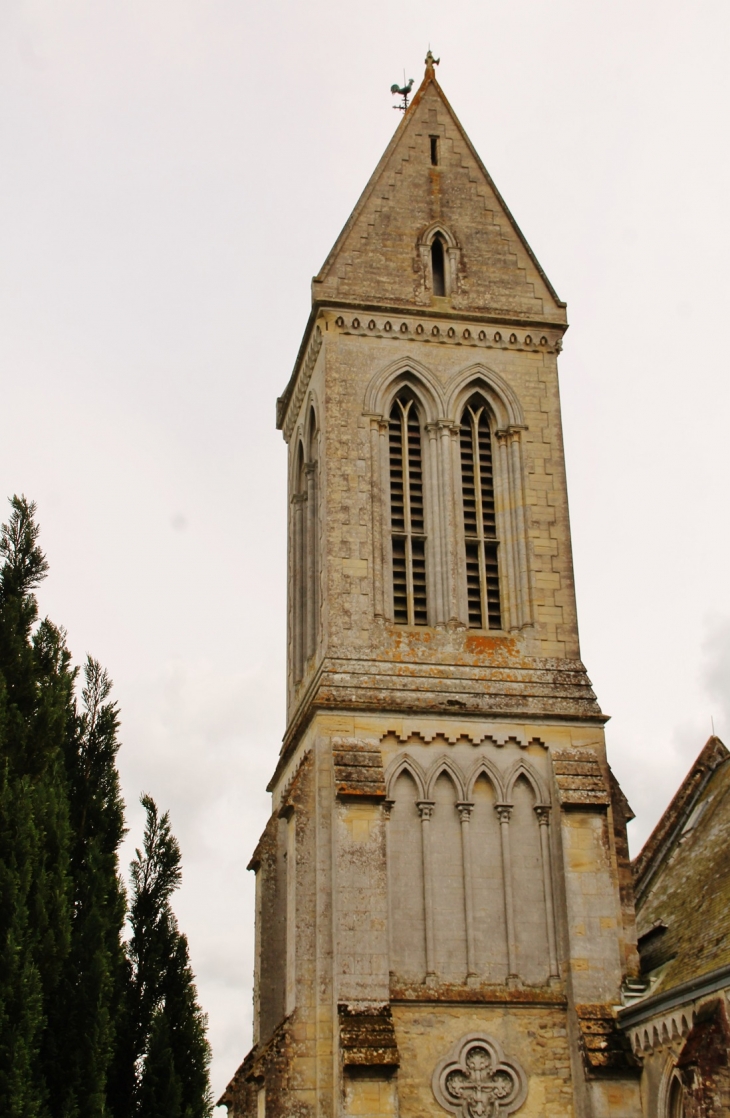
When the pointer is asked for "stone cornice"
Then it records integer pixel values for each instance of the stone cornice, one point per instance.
(477, 331)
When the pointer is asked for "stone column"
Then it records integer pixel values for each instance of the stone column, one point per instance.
(520, 525)
(387, 809)
(507, 548)
(310, 597)
(425, 809)
(435, 523)
(504, 811)
(543, 817)
(298, 573)
(447, 432)
(465, 809)
(386, 565)
(376, 493)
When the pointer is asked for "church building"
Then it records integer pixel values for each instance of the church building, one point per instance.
(445, 914)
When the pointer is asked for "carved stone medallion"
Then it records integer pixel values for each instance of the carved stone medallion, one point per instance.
(476, 1081)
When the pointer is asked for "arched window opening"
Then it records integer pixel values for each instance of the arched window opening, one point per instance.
(480, 525)
(406, 512)
(438, 268)
(299, 565)
(675, 1107)
(312, 539)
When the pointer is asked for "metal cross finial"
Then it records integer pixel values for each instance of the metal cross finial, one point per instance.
(402, 91)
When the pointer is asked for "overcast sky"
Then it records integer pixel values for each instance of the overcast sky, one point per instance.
(171, 176)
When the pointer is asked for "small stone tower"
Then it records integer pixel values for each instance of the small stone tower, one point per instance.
(444, 913)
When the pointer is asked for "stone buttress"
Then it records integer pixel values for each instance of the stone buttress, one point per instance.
(444, 914)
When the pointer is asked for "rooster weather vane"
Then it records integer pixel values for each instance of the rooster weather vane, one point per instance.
(404, 91)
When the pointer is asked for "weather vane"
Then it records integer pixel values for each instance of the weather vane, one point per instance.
(402, 91)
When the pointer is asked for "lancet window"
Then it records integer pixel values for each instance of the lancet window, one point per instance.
(480, 522)
(438, 266)
(408, 529)
(305, 562)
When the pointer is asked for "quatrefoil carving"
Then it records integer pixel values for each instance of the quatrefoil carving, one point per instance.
(476, 1080)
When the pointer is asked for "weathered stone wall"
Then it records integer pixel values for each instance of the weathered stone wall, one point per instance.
(360, 921)
(445, 854)
(378, 259)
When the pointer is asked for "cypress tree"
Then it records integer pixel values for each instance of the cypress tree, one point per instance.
(36, 708)
(87, 1027)
(81, 1027)
(166, 1065)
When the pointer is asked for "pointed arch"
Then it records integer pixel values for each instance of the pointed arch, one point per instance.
(298, 558)
(481, 536)
(384, 387)
(405, 764)
(417, 381)
(500, 396)
(439, 254)
(444, 766)
(494, 586)
(311, 428)
(522, 768)
(304, 541)
(438, 229)
(484, 767)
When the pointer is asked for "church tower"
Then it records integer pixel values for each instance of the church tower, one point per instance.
(444, 913)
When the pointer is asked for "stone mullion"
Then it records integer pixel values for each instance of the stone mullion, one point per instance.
(447, 432)
(387, 811)
(425, 809)
(298, 578)
(310, 471)
(434, 525)
(465, 810)
(507, 554)
(543, 817)
(520, 523)
(504, 811)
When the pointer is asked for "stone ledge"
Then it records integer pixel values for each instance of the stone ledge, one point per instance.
(358, 769)
(605, 1046)
(579, 779)
(367, 1036)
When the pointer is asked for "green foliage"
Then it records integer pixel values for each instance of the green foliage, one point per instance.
(170, 1054)
(36, 689)
(87, 1028)
(81, 1033)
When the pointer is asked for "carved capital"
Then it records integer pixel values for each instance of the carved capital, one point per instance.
(464, 809)
(504, 811)
(388, 806)
(542, 811)
(425, 808)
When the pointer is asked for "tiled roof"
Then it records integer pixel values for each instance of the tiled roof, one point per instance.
(683, 877)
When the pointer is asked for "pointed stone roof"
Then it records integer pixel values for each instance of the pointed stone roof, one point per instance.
(378, 258)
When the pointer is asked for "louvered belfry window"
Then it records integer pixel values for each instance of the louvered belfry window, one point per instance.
(406, 514)
(480, 525)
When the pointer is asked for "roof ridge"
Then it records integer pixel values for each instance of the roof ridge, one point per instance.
(653, 852)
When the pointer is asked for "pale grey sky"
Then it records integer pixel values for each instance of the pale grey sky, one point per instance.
(172, 175)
